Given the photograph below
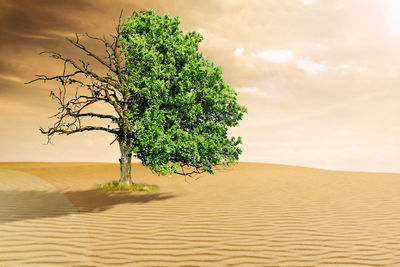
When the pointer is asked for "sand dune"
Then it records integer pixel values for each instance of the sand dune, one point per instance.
(250, 215)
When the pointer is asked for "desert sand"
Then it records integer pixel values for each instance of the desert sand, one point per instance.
(249, 215)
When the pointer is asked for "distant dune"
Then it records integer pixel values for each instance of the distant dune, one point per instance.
(249, 215)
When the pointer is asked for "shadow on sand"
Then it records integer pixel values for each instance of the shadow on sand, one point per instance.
(23, 205)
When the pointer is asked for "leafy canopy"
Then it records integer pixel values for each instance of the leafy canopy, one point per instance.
(180, 107)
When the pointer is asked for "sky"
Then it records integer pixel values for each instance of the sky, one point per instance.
(320, 78)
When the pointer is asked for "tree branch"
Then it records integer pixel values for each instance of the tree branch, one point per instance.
(90, 53)
(51, 131)
(84, 69)
(107, 88)
(116, 45)
(90, 114)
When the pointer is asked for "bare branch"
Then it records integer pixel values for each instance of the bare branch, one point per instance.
(105, 88)
(107, 46)
(57, 77)
(52, 130)
(84, 69)
(78, 44)
(190, 169)
(90, 114)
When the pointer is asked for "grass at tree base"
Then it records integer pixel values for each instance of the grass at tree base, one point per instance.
(116, 186)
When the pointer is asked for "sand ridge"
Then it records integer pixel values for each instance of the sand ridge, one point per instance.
(250, 215)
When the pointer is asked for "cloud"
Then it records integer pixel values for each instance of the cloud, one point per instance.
(345, 66)
(239, 51)
(11, 78)
(270, 91)
(310, 66)
(307, 2)
(391, 13)
(360, 69)
(340, 6)
(255, 91)
(205, 34)
(276, 56)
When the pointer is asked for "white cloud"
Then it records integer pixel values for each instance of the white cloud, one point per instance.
(317, 46)
(273, 90)
(310, 66)
(204, 33)
(348, 67)
(276, 56)
(239, 51)
(249, 65)
(340, 6)
(252, 90)
(391, 15)
(307, 2)
(345, 66)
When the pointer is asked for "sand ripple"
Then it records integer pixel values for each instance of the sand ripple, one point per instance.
(265, 215)
(39, 226)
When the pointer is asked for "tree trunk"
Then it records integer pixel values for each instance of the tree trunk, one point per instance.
(125, 164)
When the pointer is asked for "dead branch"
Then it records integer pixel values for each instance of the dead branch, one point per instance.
(78, 44)
(52, 131)
(90, 114)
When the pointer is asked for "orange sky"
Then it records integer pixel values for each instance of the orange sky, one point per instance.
(320, 78)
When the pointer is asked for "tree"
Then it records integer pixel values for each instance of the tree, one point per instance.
(171, 106)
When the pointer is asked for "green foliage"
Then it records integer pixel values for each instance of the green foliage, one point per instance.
(180, 107)
(117, 186)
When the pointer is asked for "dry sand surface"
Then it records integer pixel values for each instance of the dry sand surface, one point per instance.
(250, 215)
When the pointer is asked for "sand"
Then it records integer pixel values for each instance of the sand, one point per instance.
(250, 215)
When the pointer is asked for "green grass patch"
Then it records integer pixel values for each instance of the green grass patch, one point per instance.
(116, 186)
